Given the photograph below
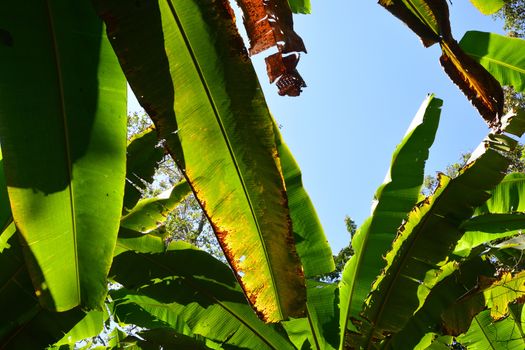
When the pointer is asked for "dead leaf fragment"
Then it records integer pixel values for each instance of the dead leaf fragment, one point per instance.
(269, 24)
(429, 19)
(480, 87)
(399, 10)
(283, 69)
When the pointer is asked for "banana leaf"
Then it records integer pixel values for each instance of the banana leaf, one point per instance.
(507, 197)
(300, 6)
(161, 338)
(191, 292)
(143, 155)
(484, 333)
(418, 254)
(310, 241)
(150, 242)
(431, 318)
(320, 329)
(507, 289)
(25, 324)
(5, 206)
(188, 68)
(488, 7)
(392, 202)
(429, 19)
(150, 213)
(502, 56)
(63, 134)
(483, 229)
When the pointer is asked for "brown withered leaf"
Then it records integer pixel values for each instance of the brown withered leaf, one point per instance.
(480, 87)
(269, 24)
(399, 10)
(439, 9)
(284, 20)
(283, 69)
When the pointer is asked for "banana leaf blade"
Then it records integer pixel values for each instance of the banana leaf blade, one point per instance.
(189, 290)
(63, 131)
(393, 201)
(188, 67)
(502, 56)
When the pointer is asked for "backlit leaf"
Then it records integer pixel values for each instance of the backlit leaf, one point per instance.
(418, 252)
(502, 56)
(64, 147)
(150, 213)
(193, 293)
(300, 6)
(488, 7)
(484, 334)
(185, 62)
(143, 155)
(392, 202)
(310, 239)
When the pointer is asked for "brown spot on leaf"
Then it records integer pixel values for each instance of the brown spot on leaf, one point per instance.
(480, 87)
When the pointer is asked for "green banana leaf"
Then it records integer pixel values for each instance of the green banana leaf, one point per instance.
(392, 202)
(300, 6)
(5, 207)
(483, 229)
(191, 292)
(188, 67)
(310, 241)
(504, 291)
(25, 324)
(63, 132)
(143, 155)
(320, 329)
(433, 341)
(443, 298)
(502, 56)
(488, 7)
(139, 242)
(507, 197)
(484, 333)
(161, 338)
(89, 326)
(150, 213)
(496, 294)
(421, 249)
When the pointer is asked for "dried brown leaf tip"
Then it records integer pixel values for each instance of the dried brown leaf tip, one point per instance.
(429, 19)
(269, 24)
(480, 87)
(283, 69)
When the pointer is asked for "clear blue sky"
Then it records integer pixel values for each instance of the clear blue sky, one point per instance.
(367, 75)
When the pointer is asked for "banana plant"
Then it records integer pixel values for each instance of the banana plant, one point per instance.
(64, 147)
(423, 272)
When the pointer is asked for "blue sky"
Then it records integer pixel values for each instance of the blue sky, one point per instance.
(367, 75)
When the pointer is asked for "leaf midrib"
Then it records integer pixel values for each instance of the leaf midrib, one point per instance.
(69, 163)
(483, 331)
(398, 271)
(496, 61)
(230, 149)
